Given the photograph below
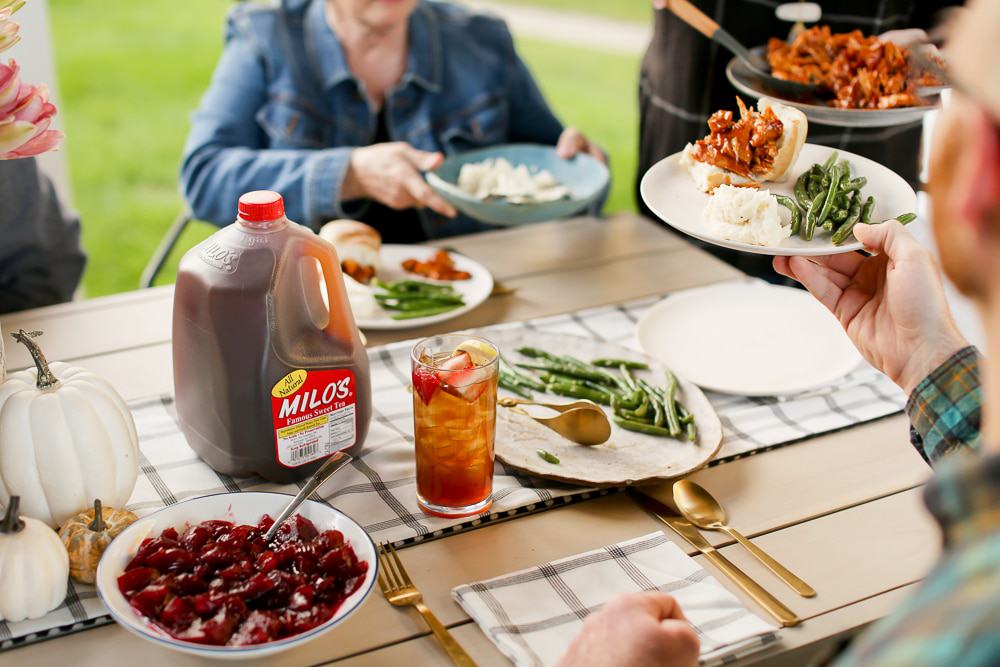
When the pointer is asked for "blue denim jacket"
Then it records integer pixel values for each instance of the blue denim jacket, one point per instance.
(284, 111)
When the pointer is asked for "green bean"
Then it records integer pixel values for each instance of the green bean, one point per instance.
(810, 227)
(867, 210)
(830, 161)
(417, 296)
(801, 190)
(535, 353)
(547, 457)
(659, 413)
(642, 427)
(687, 419)
(521, 378)
(413, 287)
(835, 175)
(413, 314)
(840, 214)
(692, 432)
(670, 402)
(505, 383)
(815, 185)
(419, 304)
(549, 377)
(627, 375)
(790, 204)
(632, 415)
(854, 184)
(616, 363)
(844, 232)
(632, 401)
(906, 218)
(578, 391)
(564, 369)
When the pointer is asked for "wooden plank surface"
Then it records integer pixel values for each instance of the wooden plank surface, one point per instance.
(796, 647)
(556, 268)
(834, 553)
(823, 506)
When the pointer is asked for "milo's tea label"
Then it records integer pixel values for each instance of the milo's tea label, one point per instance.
(313, 415)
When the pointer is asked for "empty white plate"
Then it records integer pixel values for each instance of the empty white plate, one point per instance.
(749, 339)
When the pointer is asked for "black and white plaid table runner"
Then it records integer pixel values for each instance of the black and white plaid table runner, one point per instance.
(379, 489)
(532, 615)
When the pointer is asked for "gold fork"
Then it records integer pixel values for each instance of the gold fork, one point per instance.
(398, 589)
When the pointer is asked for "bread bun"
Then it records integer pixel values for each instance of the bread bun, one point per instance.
(793, 137)
(354, 241)
(707, 176)
(795, 127)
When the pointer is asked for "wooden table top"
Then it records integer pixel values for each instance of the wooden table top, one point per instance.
(841, 510)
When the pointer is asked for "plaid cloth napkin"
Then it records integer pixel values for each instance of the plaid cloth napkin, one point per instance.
(379, 489)
(533, 615)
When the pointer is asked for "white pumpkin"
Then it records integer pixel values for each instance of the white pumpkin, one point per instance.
(34, 567)
(66, 437)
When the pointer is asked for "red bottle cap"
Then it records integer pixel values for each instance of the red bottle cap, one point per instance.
(261, 206)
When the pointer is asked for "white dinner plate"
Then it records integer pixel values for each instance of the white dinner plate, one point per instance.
(748, 339)
(475, 290)
(670, 192)
(627, 457)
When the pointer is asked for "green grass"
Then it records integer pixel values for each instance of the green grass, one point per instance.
(624, 10)
(131, 78)
(596, 92)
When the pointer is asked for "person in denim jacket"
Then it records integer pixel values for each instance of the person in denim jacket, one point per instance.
(340, 104)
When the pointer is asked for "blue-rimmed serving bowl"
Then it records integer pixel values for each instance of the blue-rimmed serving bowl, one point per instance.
(585, 177)
(240, 508)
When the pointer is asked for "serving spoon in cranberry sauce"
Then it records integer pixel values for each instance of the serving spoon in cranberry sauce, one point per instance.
(336, 461)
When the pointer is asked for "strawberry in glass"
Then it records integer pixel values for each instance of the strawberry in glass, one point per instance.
(454, 422)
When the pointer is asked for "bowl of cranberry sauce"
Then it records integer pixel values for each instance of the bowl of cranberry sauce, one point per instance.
(198, 576)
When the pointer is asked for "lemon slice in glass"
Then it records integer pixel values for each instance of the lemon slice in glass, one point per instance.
(479, 351)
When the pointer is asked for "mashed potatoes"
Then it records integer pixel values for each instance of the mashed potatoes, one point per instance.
(746, 215)
(498, 178)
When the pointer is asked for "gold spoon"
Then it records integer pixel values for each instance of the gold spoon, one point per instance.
(700, 508)
(583, 422)
(510, 402)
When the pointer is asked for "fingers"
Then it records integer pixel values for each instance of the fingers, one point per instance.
(571, 142)
(845, 264)
(423, 195)
(422, 160)
(658, 605)
(781, 267)
(889, 238)
(822, 282)
(905, 37)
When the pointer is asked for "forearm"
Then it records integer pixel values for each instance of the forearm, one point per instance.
(309, 180)
(945, 408)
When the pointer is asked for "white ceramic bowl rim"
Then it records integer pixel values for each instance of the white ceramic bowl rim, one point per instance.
(143, 626)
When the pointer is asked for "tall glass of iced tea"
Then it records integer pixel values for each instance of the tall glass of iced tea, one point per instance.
(454, 421)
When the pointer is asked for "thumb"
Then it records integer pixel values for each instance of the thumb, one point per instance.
(887, 238)
(423, 160)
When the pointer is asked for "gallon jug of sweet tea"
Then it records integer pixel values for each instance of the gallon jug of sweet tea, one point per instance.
(270, 374)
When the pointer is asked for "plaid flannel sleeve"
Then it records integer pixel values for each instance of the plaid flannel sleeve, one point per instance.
(945, 408)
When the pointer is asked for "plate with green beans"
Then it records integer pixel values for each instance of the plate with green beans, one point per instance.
(824, 195)
(662, 426)
(403, 300)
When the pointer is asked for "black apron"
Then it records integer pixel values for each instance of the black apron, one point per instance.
(683, 81)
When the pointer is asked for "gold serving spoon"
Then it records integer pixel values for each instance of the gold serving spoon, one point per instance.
(702, 509)
(583, 422)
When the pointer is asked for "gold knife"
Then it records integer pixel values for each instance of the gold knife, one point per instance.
(785, 616)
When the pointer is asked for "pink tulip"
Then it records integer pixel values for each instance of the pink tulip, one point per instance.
(8, 30)
(25, 116)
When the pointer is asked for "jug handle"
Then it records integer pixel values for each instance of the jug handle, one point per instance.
(338, 327)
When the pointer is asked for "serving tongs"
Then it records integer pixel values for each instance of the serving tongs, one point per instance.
(583, 422)
(757, 64)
